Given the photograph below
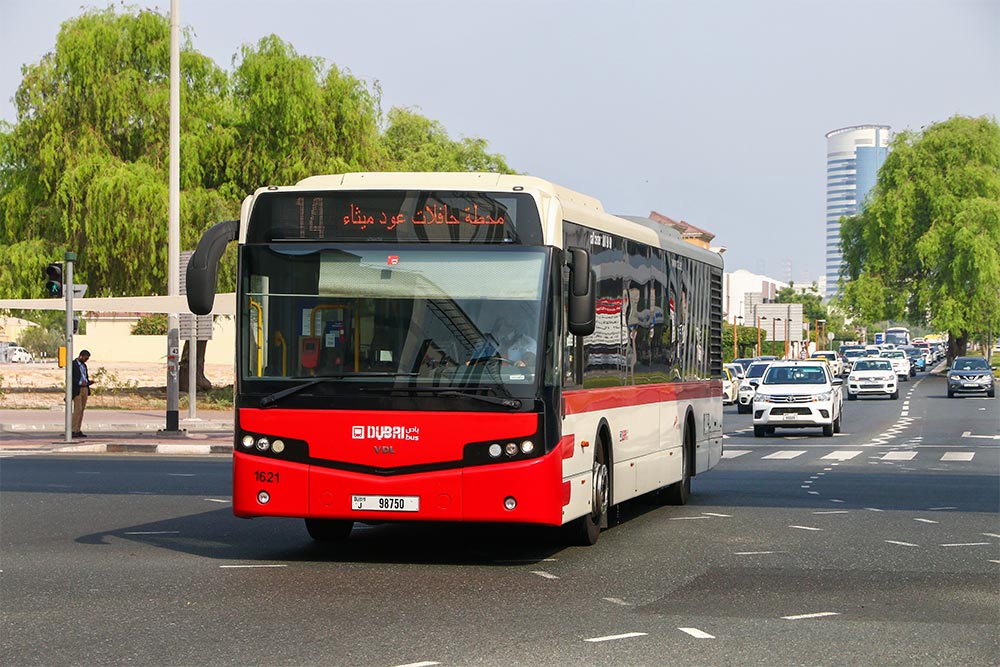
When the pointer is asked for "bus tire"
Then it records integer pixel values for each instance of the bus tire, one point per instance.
(678, 493)
(585, 530)
(329, 530)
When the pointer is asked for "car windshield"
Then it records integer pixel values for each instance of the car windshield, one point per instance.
(756, 370)
(893, 354)
(872, 365)
(795, 375)
(972, 364)
(852, 354)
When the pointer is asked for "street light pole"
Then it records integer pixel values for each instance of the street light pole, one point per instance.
(762, 317)
(774, 334)
(736, 332)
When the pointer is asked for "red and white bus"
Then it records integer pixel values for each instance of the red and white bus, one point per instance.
(463, 347)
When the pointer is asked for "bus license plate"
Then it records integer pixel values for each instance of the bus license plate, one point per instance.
(386, 503)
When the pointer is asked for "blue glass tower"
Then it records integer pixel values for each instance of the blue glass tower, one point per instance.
(853, 157)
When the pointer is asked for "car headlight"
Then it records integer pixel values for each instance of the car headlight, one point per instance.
(763, 398)
(854, 378)
(825, 396)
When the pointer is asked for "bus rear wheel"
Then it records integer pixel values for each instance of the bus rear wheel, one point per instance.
(329, 530)
(585, 530)
(678, 493)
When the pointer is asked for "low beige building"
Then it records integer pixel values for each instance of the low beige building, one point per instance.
(109, 338)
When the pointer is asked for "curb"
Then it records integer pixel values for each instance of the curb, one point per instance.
(137, 448)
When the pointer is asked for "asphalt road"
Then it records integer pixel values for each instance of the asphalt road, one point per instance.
(878, 546)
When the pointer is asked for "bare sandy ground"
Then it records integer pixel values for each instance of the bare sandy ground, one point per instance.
(117, 384)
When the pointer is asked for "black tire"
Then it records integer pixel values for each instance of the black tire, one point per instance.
(852, 397)
(585, 530)
(906, 378)
(828, 430)
(329, 530)
(991, 392)
(679, 493)
(758, 431)
(740, 408)
(894, 395)
(951, 394)
(837, 422)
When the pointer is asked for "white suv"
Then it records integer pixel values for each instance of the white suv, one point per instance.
(872, 377)
(798, 394)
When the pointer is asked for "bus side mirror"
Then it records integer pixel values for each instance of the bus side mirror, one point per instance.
(203, 267)
(582, 296)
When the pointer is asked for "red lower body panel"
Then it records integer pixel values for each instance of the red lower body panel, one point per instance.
(465, 494)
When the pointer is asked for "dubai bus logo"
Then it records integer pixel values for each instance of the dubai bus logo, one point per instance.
(407, 433)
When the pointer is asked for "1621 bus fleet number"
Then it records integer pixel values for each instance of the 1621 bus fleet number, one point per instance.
(265, 477)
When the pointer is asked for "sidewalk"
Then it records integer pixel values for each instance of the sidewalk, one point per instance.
(116, 432)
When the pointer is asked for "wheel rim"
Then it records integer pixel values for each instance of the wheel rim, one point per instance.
(600, 499)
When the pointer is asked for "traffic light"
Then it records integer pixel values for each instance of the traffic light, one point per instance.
(54, 280)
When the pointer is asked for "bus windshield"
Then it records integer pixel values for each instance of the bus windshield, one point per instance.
(392, 315)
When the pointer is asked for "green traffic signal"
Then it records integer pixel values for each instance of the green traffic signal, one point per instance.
(54, 282)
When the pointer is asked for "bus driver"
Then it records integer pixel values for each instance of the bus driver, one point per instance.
(508, 343)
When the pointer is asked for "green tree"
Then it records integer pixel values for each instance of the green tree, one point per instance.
(415, 143)
(926, 247)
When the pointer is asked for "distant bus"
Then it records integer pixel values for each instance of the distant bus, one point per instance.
(897, 336)
(372, 383)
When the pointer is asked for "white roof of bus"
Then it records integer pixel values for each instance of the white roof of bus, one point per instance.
(576, 207)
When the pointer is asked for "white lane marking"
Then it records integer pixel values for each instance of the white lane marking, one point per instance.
(958, 456)
(833, 512)
(816, 615)
(842, 455)
(217, 500)
(425, 663)
(932, 509)
(899, 456)
(805, 528)
(733, 453)
(925, 521)
(696, 633)
(874, 509)
(814, 493)
(233, 567)
(991, 535)
(609, 638)
(968, 434)
(968, 544)
(724, 516)
(687, 518)
(544, 575)
(153, 532)
(786, 454)
(991, 560)
(906, 404)
(618, 601)
(902, 544)
(836, 500)
(827, 469)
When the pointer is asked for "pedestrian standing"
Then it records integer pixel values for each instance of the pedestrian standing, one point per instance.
(81, 391)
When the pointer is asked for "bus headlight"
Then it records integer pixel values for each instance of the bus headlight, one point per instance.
(278, 446)
(495, 450)
(247, 441)
(510, 448)
(263, 497)
(263, 444)
(527, 447)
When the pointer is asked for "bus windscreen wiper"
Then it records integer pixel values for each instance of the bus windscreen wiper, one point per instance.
(270, 400)
(506, 401)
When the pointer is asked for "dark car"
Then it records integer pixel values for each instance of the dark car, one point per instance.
(971, 375)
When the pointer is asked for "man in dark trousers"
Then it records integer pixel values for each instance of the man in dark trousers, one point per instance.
(81, 391)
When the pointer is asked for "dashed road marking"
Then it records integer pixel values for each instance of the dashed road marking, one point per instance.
(786, 454)
(899, 456)
(609, 638)
(696, 633)
(958, 456)
(841, 455)
(968, 544)
(618, 601)
(805, 527)
(733, 453)
(902, 544)
(833, 512)
(820, 614)
(925, 520)
(544, 575)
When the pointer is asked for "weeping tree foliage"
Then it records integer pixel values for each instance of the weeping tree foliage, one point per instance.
(85, 167)
(926, 247)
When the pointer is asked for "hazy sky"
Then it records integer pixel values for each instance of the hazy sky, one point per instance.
(709, 111)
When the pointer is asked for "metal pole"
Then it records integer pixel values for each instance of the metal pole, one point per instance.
(173, 236)
(68, 260)
(193, 368)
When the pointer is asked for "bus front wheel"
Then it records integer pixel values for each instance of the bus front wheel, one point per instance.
(585, 530)
(329, 530)
(678, 493)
